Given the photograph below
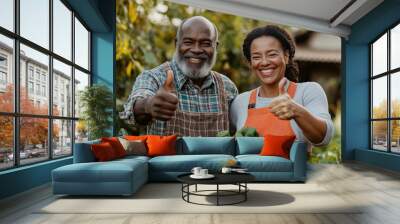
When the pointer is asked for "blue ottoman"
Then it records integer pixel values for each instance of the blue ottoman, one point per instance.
(118, 177)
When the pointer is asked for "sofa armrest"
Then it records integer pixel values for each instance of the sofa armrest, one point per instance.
(298, 155)
(83, 152)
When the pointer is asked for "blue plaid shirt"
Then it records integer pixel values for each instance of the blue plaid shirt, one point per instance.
(191, 97)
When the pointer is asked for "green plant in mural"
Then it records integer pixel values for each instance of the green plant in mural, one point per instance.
(96, 102)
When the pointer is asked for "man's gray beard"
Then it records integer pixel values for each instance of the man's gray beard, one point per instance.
(195, 73)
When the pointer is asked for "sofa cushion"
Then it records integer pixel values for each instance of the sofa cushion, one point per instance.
(206, 145)
(112, 171)
(249, 145)
(185, 163)
(257, 163)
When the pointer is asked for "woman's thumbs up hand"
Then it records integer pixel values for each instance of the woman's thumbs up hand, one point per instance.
(162, 106)
(283, 106)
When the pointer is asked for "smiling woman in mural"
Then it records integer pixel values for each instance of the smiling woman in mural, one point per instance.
(280, 106)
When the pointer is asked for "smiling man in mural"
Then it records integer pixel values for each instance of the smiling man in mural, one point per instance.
(184, 96)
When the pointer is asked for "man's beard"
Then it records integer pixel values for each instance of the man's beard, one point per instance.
(195, 73)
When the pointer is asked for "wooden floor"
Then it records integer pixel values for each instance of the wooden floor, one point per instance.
(377, 188)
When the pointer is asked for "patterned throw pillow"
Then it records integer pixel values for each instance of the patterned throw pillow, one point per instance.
(134, 147)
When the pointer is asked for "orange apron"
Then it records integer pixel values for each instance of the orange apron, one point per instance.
(266, 122)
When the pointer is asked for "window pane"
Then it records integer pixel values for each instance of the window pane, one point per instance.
(7, 14)
(395, 94)
(62, 29)
(81, 45)
(379, 55)
(33, 139)
(81, 81)
(35, 21)
(62, 89)
(6, 142)
(379, 97)
(395, 47)
(395, 138)
(379, 135)
(62, 138)
(81, 131)
(6, 74)
(34, 78)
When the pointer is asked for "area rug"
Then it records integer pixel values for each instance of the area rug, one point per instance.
(167, 198)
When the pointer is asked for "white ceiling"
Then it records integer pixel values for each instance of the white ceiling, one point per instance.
(324, 16)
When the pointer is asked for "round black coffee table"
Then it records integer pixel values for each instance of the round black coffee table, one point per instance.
(238, 179)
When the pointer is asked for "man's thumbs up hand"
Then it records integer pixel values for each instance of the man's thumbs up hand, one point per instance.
(162, 106)
(169, 82)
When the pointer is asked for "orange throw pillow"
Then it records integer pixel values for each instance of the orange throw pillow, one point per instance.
(161, 145)
(134, 137)
(116, 145)
(277, 145)
(103, 152)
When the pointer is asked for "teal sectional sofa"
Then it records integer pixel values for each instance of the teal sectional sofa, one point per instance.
(125, 176)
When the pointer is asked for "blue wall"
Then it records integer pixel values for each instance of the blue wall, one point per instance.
(99, 16)
(355, 67)
(103, 53)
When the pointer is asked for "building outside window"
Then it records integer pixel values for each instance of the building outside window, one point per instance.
(385, 94)
(34, 56)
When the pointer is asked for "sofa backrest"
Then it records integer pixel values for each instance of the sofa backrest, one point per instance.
(206, 145)
(83, 153)
(249, 145)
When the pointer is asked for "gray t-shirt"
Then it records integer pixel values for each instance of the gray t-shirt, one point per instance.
(308, 94)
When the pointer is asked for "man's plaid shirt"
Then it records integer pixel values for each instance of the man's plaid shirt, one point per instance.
(191, 97)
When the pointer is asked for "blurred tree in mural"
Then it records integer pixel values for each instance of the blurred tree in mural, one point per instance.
(145, 38)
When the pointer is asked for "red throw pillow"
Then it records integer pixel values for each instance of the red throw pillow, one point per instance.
(116, 145)
(103, 151)
(161, 145)
(277, 145)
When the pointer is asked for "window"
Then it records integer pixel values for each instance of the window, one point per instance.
(43, 77)
(30, 87)
(3, 71)
(385, 94)
(37, 74)
(38, 89)
(3, 78)
(41, 83)
(3, 61)
(43, 90)
(30, 72)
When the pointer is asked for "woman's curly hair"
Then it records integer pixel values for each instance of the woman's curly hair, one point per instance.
(292, 70)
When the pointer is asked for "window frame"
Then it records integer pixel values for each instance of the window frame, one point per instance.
(16, 114)
(388, 74)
